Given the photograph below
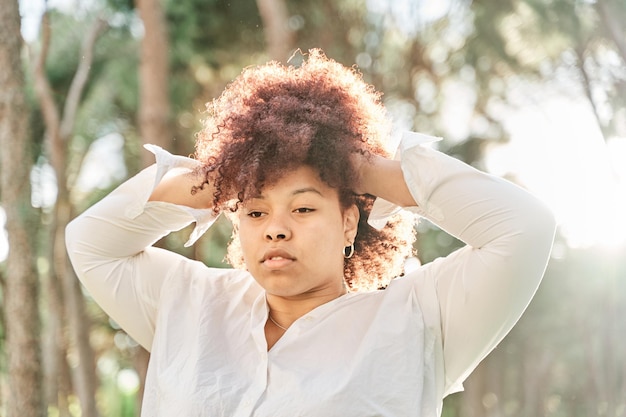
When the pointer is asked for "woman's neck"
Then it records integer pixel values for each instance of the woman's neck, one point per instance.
(286, 310)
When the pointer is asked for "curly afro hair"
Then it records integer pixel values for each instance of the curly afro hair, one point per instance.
(274, 118)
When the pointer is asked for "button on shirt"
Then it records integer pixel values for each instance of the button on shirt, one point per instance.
(395, 352)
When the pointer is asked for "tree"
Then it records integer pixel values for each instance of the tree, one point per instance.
(154, 101)
(59, 128)
(279, 37)
(21, 313)
(154, 108)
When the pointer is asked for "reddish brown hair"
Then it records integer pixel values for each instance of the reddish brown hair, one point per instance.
(274, 118)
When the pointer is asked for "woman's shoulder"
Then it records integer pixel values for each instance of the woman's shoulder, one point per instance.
(195, 282)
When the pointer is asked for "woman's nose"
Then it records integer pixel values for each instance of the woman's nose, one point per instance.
(277, 230)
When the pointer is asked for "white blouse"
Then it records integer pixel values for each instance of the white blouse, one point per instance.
(396, 352)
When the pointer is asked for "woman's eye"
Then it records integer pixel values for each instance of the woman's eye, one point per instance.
(255, 214)
(304, 210)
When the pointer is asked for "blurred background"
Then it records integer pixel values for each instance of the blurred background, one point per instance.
(531, 90)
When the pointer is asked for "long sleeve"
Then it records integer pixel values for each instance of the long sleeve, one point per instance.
(109, 246)
(483, 288)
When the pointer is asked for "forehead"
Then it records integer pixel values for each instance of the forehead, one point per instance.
(299, 181)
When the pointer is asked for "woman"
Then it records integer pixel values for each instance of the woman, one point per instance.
(301, 326)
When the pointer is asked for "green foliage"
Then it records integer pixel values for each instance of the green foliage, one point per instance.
(118, 76)
(121, 6)
(203, 28)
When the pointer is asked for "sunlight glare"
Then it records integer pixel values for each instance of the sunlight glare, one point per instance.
(104, 163)
(557, 152)
(128, 381)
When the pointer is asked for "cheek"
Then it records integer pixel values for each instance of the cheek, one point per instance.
(329, 242)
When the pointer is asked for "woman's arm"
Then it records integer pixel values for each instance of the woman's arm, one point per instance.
(110, 243)
(383, 178)
(176, 189)
(483, 288)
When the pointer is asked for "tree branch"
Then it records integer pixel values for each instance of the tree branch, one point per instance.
(586, 83)
(49, 108)
(80, 78)
(614, 28)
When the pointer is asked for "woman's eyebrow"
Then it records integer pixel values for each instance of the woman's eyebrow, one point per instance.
(307, 190)
(298, 191)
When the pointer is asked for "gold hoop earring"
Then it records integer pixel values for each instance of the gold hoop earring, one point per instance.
(348, 251)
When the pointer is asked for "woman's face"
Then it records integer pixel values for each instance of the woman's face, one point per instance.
(292, 236)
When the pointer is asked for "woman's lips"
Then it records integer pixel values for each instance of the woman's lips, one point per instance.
(277, 258)
(277, 262)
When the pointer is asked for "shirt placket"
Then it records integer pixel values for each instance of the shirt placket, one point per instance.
(258, 386)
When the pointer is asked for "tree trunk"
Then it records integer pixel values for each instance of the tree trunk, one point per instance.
(154, 110)
(154, 99)
(612, 26)
(278, 36)
(59, 129)
(472, 397)
(21, 286)
(57, 385)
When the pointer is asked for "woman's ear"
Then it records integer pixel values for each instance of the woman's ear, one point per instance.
(351, 222)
